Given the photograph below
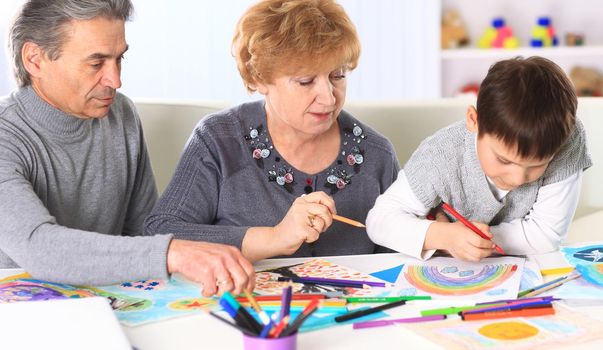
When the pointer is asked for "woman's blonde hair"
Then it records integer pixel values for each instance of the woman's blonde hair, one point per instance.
(283, 36)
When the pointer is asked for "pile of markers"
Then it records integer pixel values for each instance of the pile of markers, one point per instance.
(268, 328)
(540, 306)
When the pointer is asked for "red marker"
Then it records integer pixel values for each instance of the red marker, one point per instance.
(467, 223)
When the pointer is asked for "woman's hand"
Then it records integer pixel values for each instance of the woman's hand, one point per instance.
(307, 218)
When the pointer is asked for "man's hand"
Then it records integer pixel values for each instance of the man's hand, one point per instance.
(218, 267)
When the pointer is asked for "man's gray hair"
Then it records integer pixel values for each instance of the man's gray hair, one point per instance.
(42, 22)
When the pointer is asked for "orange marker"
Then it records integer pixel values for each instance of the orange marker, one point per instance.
(527, 312)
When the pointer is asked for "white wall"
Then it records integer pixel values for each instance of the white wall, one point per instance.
(180, 49)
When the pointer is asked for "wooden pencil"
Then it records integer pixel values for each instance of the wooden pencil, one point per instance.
(554, 285)
(347, 221)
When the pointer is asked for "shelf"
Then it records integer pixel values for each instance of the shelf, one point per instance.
(558, 51)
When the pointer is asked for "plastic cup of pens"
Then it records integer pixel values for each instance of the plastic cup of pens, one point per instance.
(288, 342)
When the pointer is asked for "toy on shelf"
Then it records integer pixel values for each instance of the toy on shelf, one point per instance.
(574, 39)
(468, 90)
(499, 35)
(587, 81)
(454, 33)
(543, 34)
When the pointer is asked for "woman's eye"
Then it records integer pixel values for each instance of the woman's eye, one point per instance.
(306, 82)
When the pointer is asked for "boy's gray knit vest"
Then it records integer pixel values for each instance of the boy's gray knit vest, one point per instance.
(445, 168)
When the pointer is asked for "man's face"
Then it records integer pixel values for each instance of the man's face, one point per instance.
(83, 80)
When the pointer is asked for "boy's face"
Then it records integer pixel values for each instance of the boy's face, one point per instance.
(501, 163)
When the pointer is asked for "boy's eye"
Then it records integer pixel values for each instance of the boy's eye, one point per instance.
(503, 161)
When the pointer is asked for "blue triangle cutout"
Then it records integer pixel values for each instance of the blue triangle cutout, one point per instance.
(390, 275)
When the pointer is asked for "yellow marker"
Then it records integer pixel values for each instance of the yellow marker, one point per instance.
(557, 271)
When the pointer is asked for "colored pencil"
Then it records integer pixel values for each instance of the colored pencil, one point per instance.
(261, 313)
(508, 307)
(352, 300)
(530, 290)
(515, 300)
(468, 224)
(324, 283)
(239, 319)
(328, 280)
(556, 271)
(286, 302)
(242, 329)
(381, 323)
(552, 286)
(359, 313)
(527, 312)
(452, 309)
(348, 221)
(255, 325)
(276, 331)
(277, 297)
(324, 302)
(300, 319)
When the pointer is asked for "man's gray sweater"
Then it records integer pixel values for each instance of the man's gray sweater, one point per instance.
(74, 192)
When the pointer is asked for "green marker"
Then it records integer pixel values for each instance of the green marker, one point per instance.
(386, 299)
(455, 309)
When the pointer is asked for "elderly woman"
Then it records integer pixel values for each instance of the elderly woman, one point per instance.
(267, 176)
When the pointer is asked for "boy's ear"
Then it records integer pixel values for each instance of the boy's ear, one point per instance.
(471, 119)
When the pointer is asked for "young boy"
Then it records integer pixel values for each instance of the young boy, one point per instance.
(513, 168)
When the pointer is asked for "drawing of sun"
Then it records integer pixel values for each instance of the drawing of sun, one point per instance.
(444, 282)
(513, 330)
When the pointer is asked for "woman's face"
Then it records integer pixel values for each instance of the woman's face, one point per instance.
(307, 103)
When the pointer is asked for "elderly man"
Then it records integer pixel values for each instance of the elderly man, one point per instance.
(75, 178)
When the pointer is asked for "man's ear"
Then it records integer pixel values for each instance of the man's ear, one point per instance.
(471, 119)
(32, 56)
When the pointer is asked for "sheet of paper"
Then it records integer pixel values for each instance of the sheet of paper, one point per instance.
(449, 278)
(566, 327)
(69, 324)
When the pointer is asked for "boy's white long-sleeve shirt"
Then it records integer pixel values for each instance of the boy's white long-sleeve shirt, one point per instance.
(397, 221)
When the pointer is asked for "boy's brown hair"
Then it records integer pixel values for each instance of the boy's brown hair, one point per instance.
(529, 104)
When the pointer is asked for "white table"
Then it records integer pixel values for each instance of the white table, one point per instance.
(201, 331)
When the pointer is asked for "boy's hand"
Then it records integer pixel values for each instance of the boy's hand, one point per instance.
(460, 241)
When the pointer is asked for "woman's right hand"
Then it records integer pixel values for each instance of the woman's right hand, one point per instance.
(308, 217)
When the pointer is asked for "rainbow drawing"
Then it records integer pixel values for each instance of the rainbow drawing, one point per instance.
(451, 281)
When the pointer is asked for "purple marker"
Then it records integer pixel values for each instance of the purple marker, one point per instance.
(381, 323)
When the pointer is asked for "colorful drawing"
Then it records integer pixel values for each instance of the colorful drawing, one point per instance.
(593, 273)
(565, 328)
(432, 279)
(266, 281)
(134, 303)
(492, 278)
(583, 254)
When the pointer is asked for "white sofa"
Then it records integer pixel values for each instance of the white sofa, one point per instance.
(167, 126)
